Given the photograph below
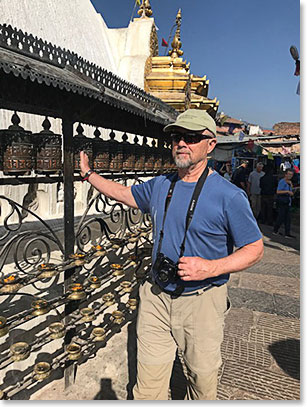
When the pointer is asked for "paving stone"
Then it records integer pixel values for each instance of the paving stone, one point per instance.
(284, 325)
(275, 269)
(261, 382)
(286, 306)
(245, 352)
(239, 316)
(238, 323)
(234, 280)
(273, 285)
(266, 337)
(231, 393)
(264, 302)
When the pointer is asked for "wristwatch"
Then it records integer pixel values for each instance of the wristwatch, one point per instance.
(87, 175)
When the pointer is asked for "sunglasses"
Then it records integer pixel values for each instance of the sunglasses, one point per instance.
(189, 138)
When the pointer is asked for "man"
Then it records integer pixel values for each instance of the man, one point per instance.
(268, 184)
(253, 189)
(284, 200)
(239, 176)
(186, 310)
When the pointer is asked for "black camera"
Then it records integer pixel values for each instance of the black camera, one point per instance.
(165, 269)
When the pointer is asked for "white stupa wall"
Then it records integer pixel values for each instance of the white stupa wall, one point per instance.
(76, 26)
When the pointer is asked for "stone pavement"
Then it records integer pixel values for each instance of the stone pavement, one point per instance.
(261, 347)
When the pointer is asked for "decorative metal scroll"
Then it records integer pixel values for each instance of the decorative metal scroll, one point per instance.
(109, 263)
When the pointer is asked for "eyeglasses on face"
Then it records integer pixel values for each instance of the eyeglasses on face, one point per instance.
(189, 138)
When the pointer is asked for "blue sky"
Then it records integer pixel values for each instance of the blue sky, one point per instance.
(241, 45)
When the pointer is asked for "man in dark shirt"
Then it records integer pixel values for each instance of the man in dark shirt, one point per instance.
(239, 176)
(268, 185)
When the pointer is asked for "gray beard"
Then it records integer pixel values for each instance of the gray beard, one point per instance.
(182, 163)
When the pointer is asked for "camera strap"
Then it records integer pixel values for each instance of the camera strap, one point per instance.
(191, 209)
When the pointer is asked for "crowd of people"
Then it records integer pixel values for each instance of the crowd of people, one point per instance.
(270, 191)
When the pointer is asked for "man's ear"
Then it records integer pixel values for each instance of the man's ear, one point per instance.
(211, 144)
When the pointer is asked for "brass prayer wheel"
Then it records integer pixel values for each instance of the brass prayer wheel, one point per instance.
(17, 148)
(128, 154)
(42, 371)
(57, 330)
(20, 351)
(74, 351)
(149, 156)
(101, 154)
(158, 163)
(139, 155)
(116, 153)
(82, 143)
(48, 147)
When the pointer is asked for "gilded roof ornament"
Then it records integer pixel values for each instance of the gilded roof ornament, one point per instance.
(145, 9)
(176, 52)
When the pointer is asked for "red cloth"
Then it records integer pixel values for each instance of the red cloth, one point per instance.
(164, 43)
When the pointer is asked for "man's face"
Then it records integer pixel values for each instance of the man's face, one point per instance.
(187, 153)
(259, 168)
(289, 175)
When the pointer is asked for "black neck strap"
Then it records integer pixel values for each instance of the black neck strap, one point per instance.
(191, 209)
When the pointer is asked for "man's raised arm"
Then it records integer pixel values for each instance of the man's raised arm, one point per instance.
(111, 189)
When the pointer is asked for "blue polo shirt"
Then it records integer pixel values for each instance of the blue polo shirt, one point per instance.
(222, 220)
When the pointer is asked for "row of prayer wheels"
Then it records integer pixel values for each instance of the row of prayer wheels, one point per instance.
(22, 151)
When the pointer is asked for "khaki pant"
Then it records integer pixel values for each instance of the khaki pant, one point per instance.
(255, 204)
(195, 325)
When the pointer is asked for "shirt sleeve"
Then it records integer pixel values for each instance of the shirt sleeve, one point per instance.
(142, 194)
(241, 222)
(283, 186)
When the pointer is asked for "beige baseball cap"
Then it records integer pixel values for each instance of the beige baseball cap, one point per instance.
(193, 119)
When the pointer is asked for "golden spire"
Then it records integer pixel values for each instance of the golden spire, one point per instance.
(145, 9)
(176, 52)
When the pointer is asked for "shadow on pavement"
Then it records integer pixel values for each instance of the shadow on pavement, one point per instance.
(287, 356)
(106, 391)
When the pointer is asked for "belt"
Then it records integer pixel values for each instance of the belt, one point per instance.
(183, 294)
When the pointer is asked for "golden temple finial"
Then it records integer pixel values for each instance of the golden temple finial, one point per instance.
(145, 9)
(176, 52)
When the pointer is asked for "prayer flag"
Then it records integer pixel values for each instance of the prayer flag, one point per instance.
(164, 43)
(270, 156)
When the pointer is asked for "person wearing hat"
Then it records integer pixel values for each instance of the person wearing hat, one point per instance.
(239, 176)
(198, 218)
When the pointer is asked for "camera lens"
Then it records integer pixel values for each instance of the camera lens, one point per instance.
(163, 276)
